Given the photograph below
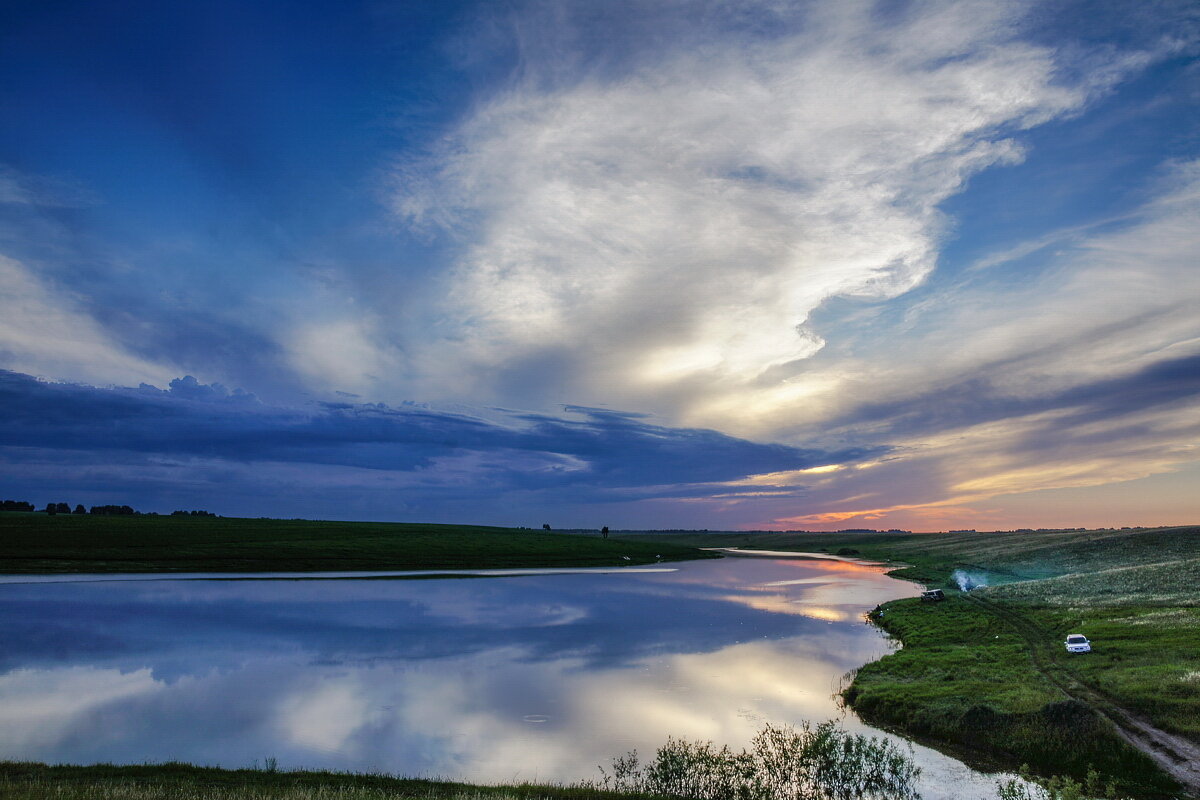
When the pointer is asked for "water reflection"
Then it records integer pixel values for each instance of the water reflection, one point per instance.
(521, 678)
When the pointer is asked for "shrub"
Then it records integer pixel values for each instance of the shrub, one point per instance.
(814, 762)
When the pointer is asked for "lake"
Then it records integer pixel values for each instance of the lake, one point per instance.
(537, 677)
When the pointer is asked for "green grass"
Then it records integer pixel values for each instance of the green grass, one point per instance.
(965, 678)
(29, 781)
(975, 674)
(1144, 622)
(67, 543)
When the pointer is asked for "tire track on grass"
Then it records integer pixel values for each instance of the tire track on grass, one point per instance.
(1177, 756)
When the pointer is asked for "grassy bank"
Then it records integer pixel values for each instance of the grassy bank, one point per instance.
(966, 678)
(68, 543)
(985, 675)
(27, 781)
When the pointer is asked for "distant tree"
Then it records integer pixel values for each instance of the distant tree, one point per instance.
(79, 509)
(546, 526)
(604, 531)
(112, 511)
(51, 509)
(62, 508)
(16, 505)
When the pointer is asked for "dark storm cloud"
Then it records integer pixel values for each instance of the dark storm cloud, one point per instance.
(606, 450)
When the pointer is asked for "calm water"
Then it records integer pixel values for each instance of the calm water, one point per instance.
(538, 677)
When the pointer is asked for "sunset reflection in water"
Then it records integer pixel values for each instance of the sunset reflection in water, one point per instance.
(526, 678)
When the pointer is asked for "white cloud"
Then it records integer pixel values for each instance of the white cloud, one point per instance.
(44, 331)
(21, 189)
(672, 228)
(345, 354)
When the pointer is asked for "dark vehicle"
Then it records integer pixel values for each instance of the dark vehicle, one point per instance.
(932, 595)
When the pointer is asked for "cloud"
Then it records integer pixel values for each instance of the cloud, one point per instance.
(202, 439)
(729, 215)
(345, 353)
(1084, 373)
(20, 189)
(45, 331)
(659, 235)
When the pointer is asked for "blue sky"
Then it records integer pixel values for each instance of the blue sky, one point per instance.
(662, 264)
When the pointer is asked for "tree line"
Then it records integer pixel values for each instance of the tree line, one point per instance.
(105, 510)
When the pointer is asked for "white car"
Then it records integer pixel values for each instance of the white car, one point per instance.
(1078, 643)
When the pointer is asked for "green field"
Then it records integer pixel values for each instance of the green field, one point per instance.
(68, 543)
(26, 781)
(985, 675)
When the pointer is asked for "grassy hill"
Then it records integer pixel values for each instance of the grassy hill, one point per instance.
(68, 543)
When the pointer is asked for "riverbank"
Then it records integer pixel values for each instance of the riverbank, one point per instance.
(37, 543)
(31, 781)
(984, 674)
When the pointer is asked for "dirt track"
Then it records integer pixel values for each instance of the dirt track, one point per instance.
(1178, 756)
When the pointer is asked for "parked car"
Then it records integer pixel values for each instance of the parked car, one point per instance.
(1078, 643)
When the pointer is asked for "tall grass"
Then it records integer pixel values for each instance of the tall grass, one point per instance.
(813, 762)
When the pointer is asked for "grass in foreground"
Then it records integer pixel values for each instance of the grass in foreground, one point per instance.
(66, 543)
(29, 781)
(813, 762)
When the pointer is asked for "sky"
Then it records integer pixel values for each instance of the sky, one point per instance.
(723, 264)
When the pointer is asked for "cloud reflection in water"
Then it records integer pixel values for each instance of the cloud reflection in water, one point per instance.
(538, 678)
